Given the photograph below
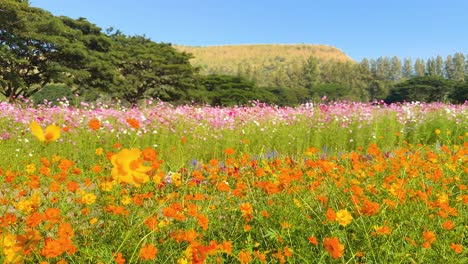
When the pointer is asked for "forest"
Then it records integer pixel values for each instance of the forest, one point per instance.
(47, 57)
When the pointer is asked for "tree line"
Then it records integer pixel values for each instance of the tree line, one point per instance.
(45, 57)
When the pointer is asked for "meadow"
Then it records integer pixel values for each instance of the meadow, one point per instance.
(335, 182)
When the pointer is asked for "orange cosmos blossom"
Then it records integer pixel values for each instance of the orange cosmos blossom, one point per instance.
(51, 133)
(129, 168)
(148, 252)
(457, 248)
(334, 247)
(94, 124)
(133, 123)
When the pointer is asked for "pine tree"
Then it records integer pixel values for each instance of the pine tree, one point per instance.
(419, 67)
(458, 67)
(439, 66)
(431, 67)
(395, 69)
(407, 68)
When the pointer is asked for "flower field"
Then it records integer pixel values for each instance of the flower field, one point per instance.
(326, 183)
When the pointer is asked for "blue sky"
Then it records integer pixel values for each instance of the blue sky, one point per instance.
(361, 28)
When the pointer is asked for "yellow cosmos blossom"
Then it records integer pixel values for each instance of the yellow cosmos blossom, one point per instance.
(88, 198)
(52, 132)
(343, 217)
(128, 167)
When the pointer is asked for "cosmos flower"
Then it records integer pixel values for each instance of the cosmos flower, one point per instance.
(52, 132)
(129, 167)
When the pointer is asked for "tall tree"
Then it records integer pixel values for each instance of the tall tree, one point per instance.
(448, 68)
(383, 68)
(149, 69)
(458, 67)
(430, 67)
(311, 72)
(419, 68)
(395, 69)
(37, 48)
(439, 66)
(407, 69)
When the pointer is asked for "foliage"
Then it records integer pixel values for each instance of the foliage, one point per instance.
(37, 48)
(424, 89)
(226, 90)
(53, 93)
(150, 70)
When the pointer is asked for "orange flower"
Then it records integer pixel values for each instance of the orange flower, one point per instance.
(333, 247)
(457, 248)
(149, 154)
(330, 214)
(245, 257)
(129, 168)
(97, 168)
(229, 151)
(148, 252)
(260, 256)
(34, 219)
(382, 230)
(312, 240)
(247, 211)
(203, 221)
(52, 248)
(133, 123)
(118, 258)
(72, 186)
(223, 187)
(429, 238)
(152, 223)
(65, 231)
(94, 124)
(448, 225)
(52, 214)
(226, 246)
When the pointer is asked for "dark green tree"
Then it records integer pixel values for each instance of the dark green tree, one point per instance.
(150, 70)
(37, 48)
(423, 89)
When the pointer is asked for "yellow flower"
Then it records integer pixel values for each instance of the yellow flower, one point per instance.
(99, 151)
(106, 186)
(437, 131)
(343, 217)
(31, 168)
(52, 132)
(129, 168)
(88, 198)
(93, 220)
(176, 179)
(126, 200)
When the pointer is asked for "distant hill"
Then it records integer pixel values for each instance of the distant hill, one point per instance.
(259, 61)
(228, 57)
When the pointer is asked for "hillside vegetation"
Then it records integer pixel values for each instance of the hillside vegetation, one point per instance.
(260, 58)
(227, 58)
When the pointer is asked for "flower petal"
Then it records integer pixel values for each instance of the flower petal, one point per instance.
(52, 133)
(37, 131)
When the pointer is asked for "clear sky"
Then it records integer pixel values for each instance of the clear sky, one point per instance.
(361, 28)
